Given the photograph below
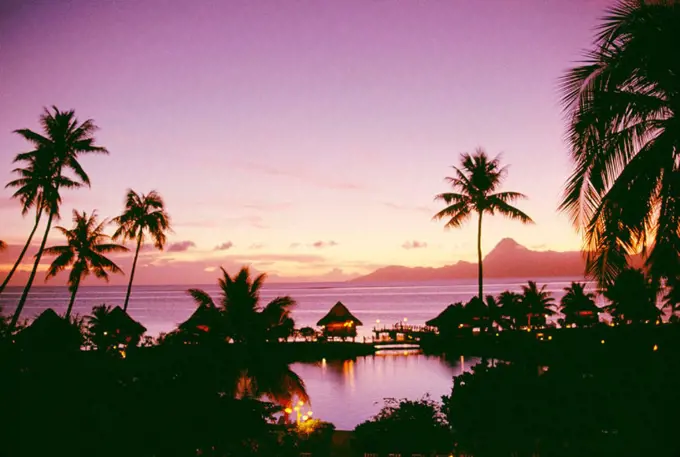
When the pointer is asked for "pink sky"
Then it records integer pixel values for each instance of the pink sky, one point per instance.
(309, 135)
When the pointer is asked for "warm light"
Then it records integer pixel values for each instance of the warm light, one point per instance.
(297, 408)
(496, 334)
(106, 333)
(309, 414)
(405, 352)
(377, 321)
(122, 353)
(550, 337)
(288, 410)
(301, 403)
(602, 341)
(655, 347)
(405, 320)
(528, 329)
(304, 418)
(460, 326)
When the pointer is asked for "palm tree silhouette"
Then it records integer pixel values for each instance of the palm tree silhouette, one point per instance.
(511, 304)
(578, 306)
(142, 213)
(63, 140)
(633, 298)
(496, 314)
(37, 186)
(245, 321)
(476, 183)
(672, 300)
(624, 136)
(84, 253)
(537, 304)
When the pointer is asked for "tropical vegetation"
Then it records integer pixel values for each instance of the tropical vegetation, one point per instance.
(56, 151)
(624, 133)
(475, 191)
(144, 215)
(84, 252)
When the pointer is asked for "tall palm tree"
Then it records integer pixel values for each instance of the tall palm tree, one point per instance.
(624, 134)
(537, 303)
(61, 143)
(245, 320)
(142, 213)
(84, 253)
(475, 187)
(578, 306)
(37, 186)
(633, 298)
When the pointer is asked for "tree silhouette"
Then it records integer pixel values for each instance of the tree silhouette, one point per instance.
(475, 187)
(496, 314)
(632, 297)
(63, 140)
(245, 320)
(578, 306)
(3, 245)
(37, 187)
(84, 253)
(672, 300)
(537, 304)
(624, 134)
(142, 214)
(513, 308)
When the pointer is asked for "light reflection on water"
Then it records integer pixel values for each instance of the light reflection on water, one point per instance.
(348, 392)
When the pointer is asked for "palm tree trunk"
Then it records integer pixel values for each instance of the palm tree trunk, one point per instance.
(479, 258)
(27, 288)
(73, 299)
(132, 273)
(23, 252)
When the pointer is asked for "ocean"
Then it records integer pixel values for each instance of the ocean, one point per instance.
(161, 308)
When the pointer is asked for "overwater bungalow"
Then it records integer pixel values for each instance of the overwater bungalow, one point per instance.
(339, 323)
(453, 321)
(125, 326)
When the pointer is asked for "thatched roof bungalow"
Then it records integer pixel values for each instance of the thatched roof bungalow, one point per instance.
(204, 321)
(50, 331)
(121, 323)
(339, 322)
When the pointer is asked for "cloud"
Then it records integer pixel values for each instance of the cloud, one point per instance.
(299, 175)
(324, 244)
(181, 246)
(414, 244)
(416, 208)
(224, 246)
(298, 258)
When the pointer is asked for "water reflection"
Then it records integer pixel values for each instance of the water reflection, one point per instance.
(347, 392)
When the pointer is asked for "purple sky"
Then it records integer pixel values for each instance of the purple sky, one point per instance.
(312, 135)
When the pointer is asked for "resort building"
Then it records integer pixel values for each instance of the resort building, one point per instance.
(339, 323)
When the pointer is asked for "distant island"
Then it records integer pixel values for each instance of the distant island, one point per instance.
(507, 259)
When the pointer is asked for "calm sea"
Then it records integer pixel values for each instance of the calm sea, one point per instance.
(345, 392)
(161, 308)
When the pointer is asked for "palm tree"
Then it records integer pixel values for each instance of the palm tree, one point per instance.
(578, 306)
(37, 186)
(63, 140)
(143, 213)
(245, 320)
(84, 253)
(496, 314)
(633, 298)
(475, 185)
(623, 130)
(511, 304)
(537, 304)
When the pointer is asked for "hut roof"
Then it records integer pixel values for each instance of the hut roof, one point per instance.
(203, 316)
(452, 313)
(338, 314)
(122, 320)
(51, 329)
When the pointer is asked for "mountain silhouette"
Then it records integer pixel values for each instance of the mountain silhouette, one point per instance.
(508, 259)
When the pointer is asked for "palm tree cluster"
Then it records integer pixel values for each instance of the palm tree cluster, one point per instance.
(51, 166)
(238, 315)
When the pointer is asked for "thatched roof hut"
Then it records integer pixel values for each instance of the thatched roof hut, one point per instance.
(453, 315)
(339, 314)
(49, 330)
(123, 323)
(204, 319)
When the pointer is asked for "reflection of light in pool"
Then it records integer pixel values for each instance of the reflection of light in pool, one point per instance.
(398, 353)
